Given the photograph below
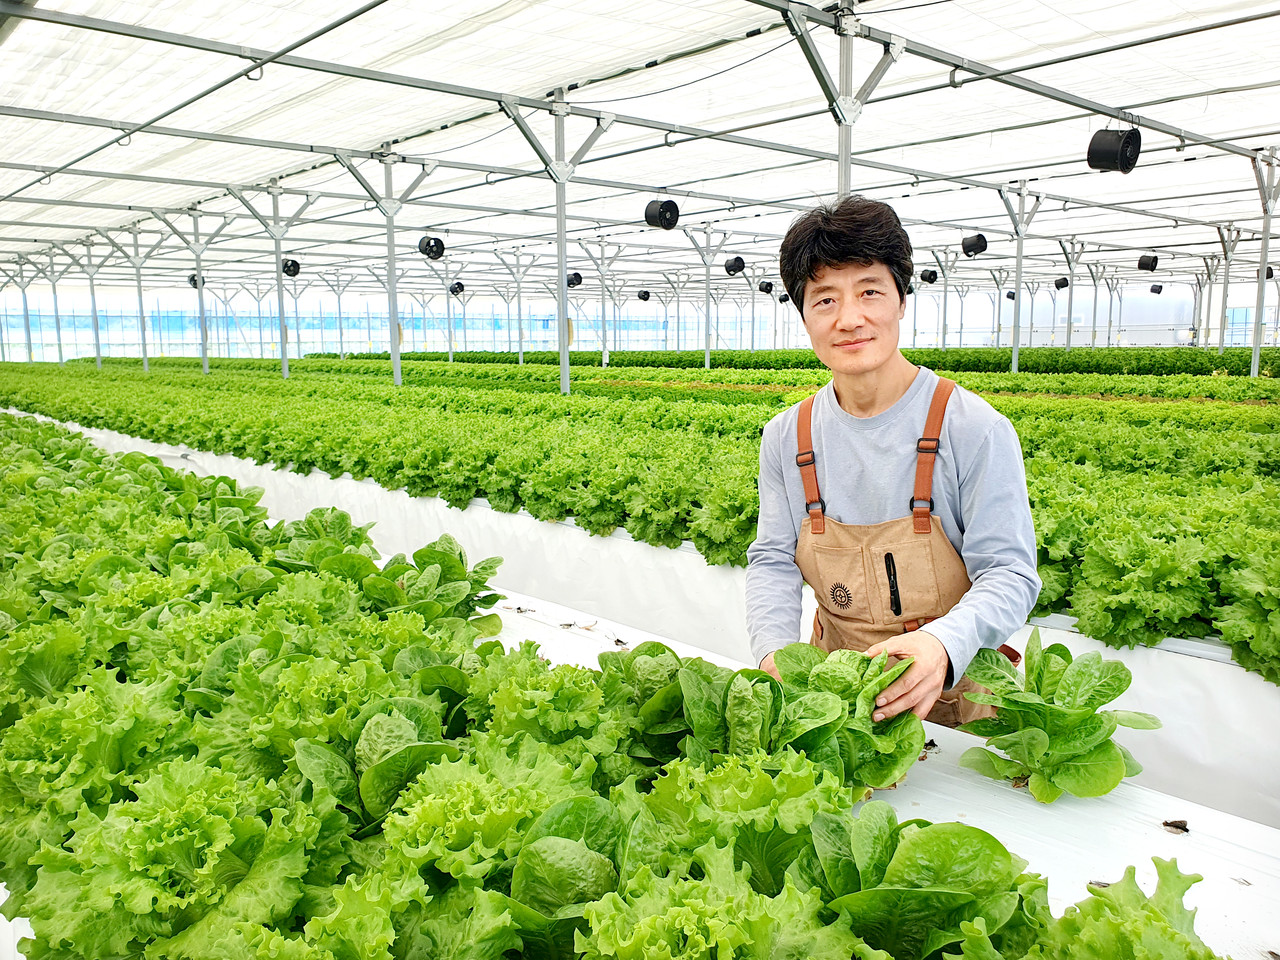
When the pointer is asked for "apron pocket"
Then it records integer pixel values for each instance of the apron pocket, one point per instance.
(842, 582)
(905, 581)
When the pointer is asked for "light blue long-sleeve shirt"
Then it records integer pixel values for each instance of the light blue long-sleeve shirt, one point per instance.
(866, 473)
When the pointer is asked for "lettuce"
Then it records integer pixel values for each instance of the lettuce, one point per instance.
(1048, 725)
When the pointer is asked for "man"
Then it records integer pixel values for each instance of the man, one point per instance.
(898, 496)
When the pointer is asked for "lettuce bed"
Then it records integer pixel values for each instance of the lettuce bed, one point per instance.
(226, 739)
(1153, 519)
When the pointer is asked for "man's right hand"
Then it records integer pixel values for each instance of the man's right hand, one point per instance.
(767, 666)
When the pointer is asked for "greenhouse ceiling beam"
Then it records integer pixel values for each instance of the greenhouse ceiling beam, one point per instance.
(955, 62)
(487, 169)
(92, 23)
(11, 8)
(8, 7)
(916, 175)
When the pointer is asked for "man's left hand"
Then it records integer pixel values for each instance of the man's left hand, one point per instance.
(921, 684)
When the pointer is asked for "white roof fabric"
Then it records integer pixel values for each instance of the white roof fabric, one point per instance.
(75, 74)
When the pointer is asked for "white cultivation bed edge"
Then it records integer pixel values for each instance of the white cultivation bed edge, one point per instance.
(1217, 746)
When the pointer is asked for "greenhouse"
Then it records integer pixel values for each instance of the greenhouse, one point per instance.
(731, 479)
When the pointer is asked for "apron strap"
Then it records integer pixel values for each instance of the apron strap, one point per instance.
(926, 452)
(805, 460)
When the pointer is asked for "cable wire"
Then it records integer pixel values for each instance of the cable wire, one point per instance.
(687, 83)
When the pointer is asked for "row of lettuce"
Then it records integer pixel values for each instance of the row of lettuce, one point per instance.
(1152, 361)
(778, 388)
(1153, 519)
(224, 738)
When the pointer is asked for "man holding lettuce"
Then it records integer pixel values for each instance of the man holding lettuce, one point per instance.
(899, 497)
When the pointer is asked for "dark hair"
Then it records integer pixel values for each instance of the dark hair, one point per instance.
(854, 230)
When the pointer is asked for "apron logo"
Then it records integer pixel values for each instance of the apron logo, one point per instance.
(841, 596)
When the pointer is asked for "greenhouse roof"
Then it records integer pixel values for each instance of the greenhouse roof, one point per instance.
(159, 124)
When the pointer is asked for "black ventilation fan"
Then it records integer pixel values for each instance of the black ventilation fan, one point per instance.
(1270, 273)
(1010, 295)
(456, 288)
(195, 281)
(972, 246)
(1115, 150)
(1157, 287)
(643, 295)
(784, 298)
(291, 268)
(766, 286)
(734, 266)
(574, 279)
(1061, 283)
(1148, 262)
(662, 213)
(929, 276)
(431, 247)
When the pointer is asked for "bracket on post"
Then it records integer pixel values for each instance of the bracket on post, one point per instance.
(275, 230)
(845, 108)
(1022, 222)
(561, 171)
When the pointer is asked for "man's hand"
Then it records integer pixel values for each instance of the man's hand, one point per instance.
(767, 666)
(919, 687)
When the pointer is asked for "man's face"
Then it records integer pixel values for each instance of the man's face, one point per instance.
(852, 314)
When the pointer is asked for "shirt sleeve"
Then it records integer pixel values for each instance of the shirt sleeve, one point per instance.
(774, 582)
(999, 552)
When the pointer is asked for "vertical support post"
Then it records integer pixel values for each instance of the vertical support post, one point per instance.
(679, 290)
(204, 330)
(26, 323)
(915, 317)
(946, 291)
(706, 263)
(57, 319)
(562, 250)
(142, 315)
(393, 312)
(276, 235)
(262, 346)
(1021, 221)
(1228, 237)
(1222, 319)
(946, 261)
(1268, 207)
(1017, 278)
(342, 346)
(520, 320)
(93, 312)
(844, 130)
(448, 316)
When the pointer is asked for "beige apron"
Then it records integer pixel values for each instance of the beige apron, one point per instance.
(878, 581)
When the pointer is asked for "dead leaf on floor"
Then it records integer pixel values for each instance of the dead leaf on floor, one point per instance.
(523, 609)
(1273, 955)
(620, 644)
(1176, 826)
(1242, 881)
(1020, 782)
(930, 746)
